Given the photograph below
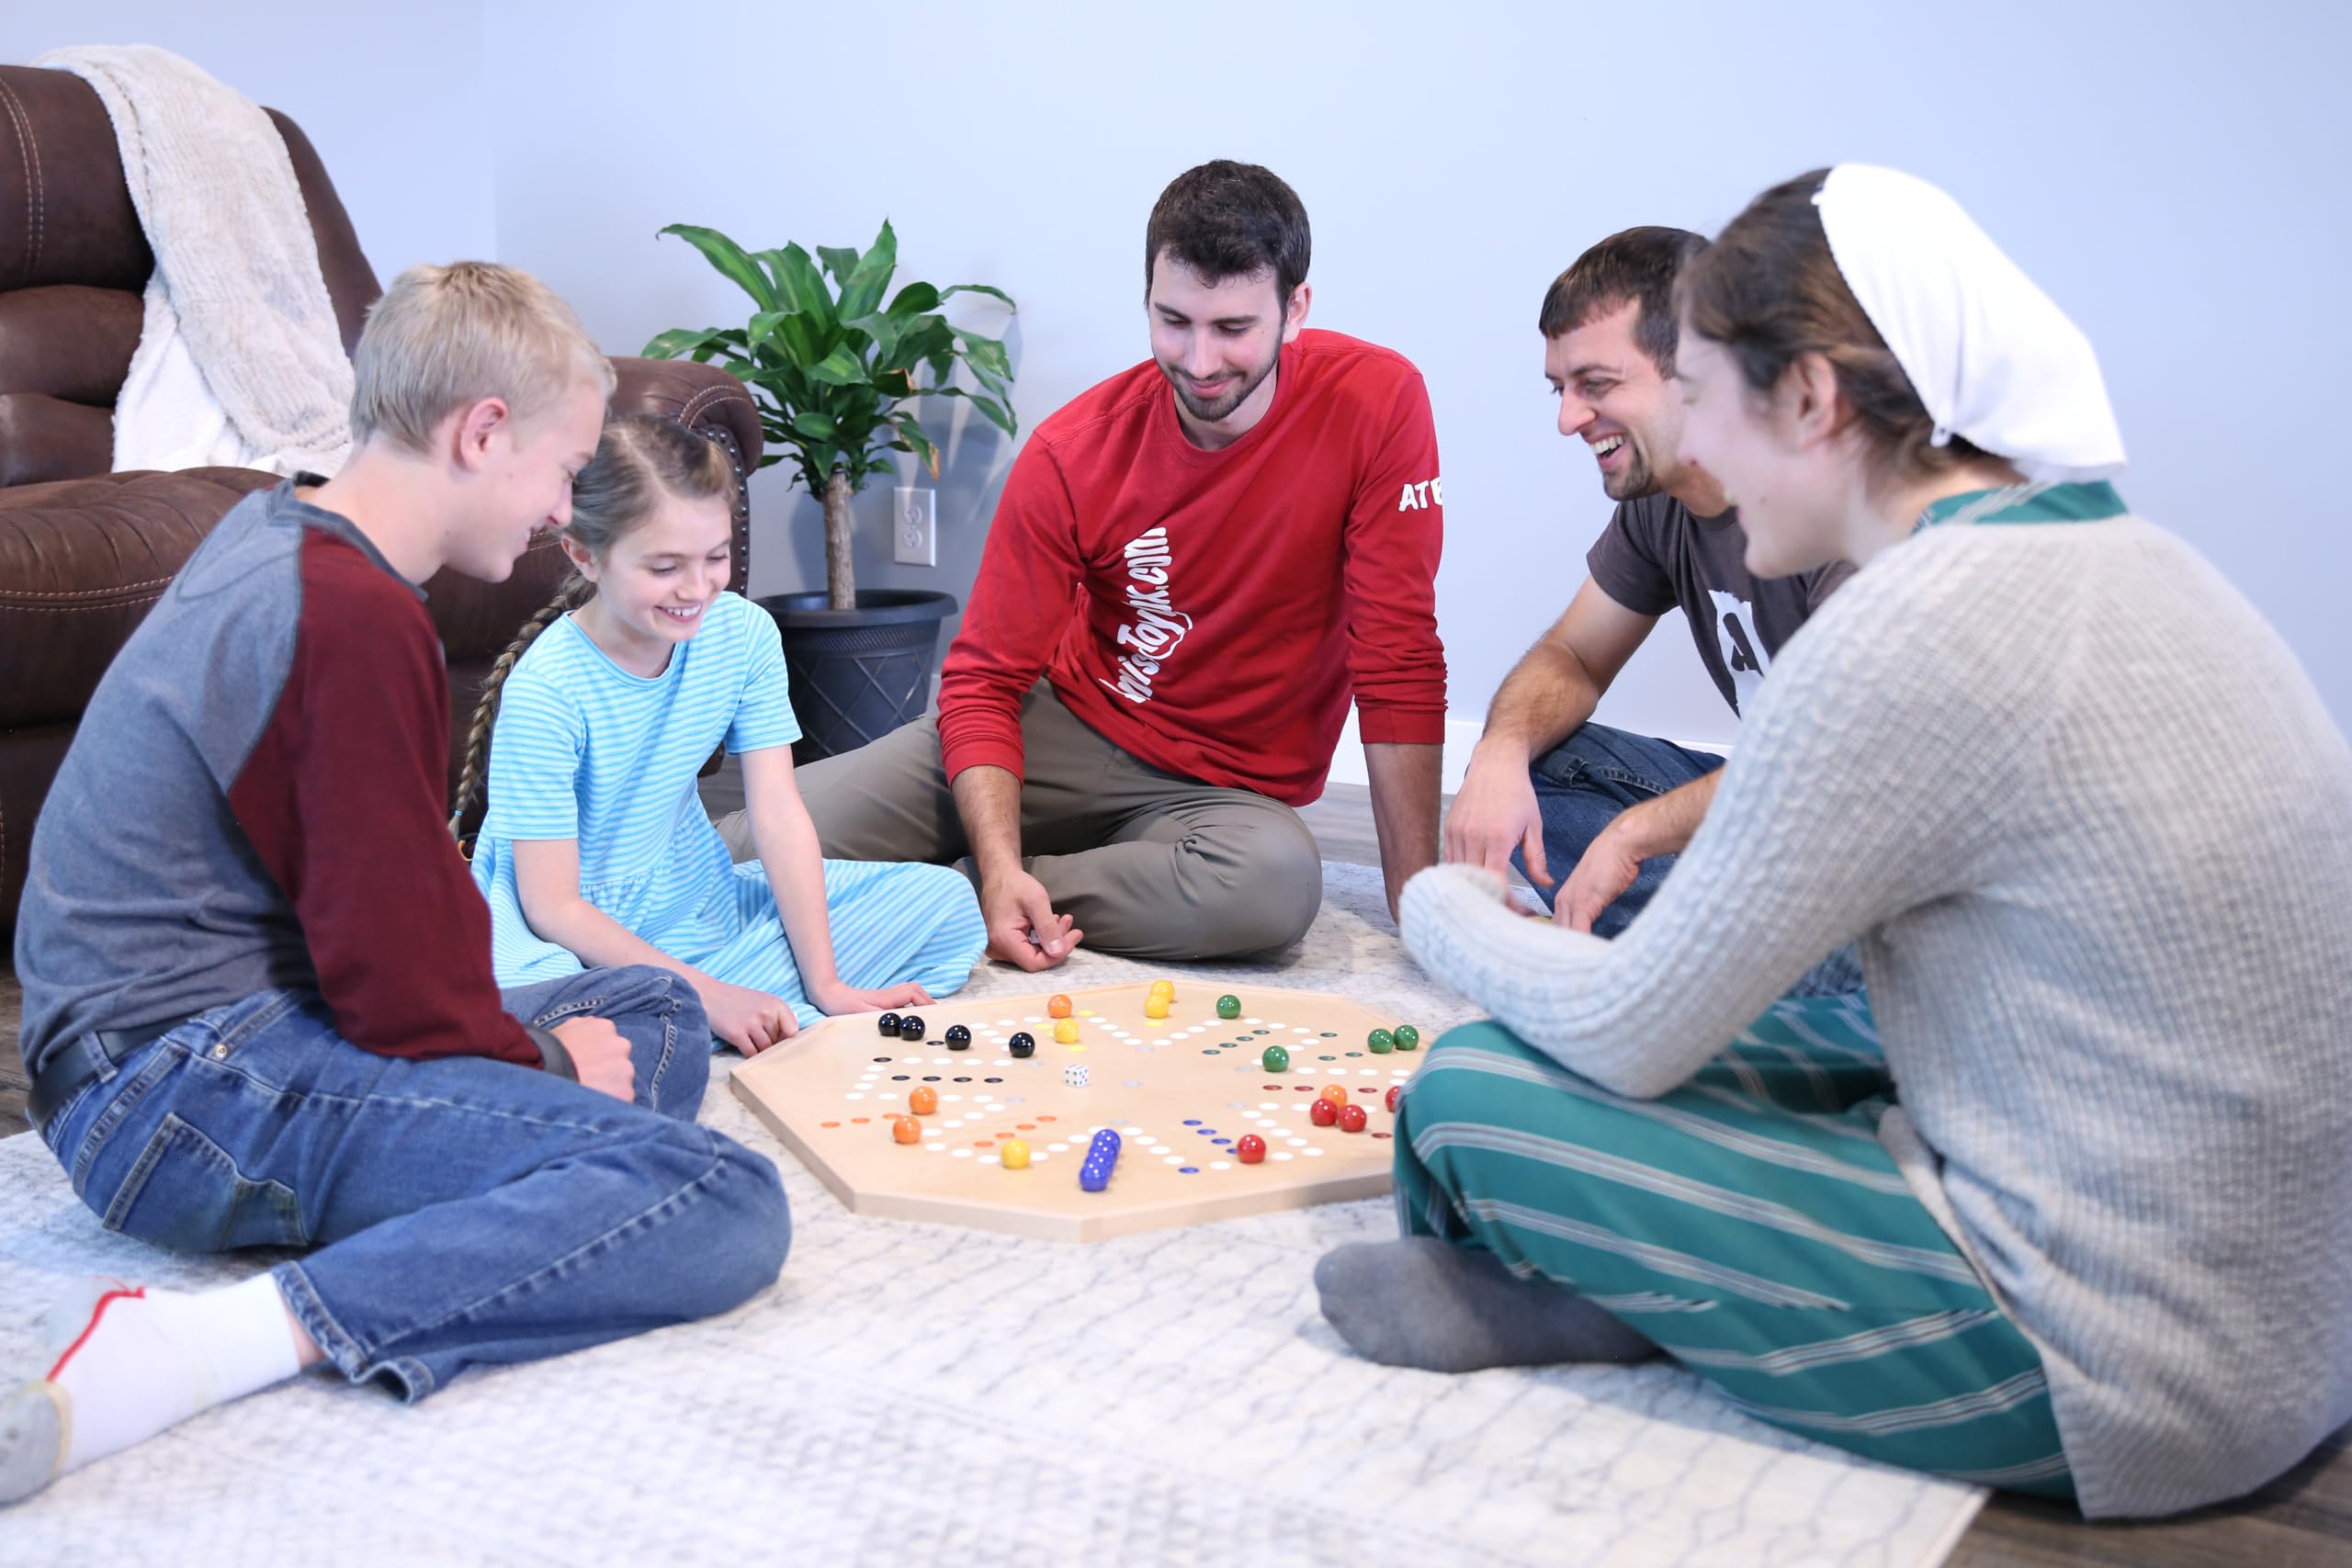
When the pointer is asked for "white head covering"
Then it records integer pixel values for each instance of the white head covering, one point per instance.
(1994, 360)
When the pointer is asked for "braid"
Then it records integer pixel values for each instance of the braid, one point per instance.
(638, 458)
(575, 592)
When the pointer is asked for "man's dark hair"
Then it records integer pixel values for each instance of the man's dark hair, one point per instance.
(1227, 220)
(1638, 265)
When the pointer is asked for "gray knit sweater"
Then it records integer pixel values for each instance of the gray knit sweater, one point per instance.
(2093, 829)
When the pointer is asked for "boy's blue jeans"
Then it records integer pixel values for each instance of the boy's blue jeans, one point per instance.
(463, 1212)
(1580, 786)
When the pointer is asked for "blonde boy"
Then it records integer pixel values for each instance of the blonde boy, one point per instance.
(258, 1002)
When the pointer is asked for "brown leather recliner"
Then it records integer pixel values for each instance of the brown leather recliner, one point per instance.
(84, 552)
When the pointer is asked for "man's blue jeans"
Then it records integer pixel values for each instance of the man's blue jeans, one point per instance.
(463, 1212)
(1580, 786)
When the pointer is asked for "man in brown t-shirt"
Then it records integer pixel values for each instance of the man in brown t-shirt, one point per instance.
(1548, 790)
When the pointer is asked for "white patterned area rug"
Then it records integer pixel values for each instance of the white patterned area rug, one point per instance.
(919, 1394)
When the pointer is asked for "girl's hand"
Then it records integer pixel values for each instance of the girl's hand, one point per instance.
(749, 1021)
(840, 999)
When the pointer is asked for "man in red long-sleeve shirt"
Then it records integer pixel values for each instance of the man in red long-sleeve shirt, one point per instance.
(1205, 558)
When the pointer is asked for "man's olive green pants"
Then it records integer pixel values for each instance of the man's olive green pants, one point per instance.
(1149, 865)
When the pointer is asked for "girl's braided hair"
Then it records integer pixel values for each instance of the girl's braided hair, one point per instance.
(640, 459)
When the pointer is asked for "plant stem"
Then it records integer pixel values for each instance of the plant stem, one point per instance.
(841, 574)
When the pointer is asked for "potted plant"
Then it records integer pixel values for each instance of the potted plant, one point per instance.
(835, 373)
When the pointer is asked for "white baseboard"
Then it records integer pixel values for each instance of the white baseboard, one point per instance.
(1460, 735)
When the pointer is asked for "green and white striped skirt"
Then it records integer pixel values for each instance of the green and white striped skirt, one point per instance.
(1751, 1226)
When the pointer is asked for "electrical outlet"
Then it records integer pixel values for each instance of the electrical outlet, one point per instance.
(914, 526)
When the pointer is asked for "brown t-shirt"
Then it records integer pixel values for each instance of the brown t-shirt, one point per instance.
(1655, 555)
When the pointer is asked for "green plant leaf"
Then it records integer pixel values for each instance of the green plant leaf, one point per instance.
(862, 290)
(881, 329)
(999, 414)
(996, 387)
(802, 338)
(729, 258)
(814, 425)
(764, 326)
(730, 343)
(924, 338)
(984, 354)
(838, 261)
(979, 289)
(917, 438)
(802, 287)
(680, 341)
(913, 301)
(839, 368)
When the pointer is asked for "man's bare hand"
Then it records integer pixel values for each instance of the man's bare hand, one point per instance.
(599, 1056)
(1024, 930)
(1494, 813)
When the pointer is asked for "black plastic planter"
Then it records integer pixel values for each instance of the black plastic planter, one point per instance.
(857, 674)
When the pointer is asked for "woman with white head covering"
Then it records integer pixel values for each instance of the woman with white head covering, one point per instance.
(2060, 1207)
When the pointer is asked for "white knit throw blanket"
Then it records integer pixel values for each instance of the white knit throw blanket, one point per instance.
(240, 361)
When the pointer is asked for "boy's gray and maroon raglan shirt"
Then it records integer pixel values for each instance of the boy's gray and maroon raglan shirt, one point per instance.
(254, 799)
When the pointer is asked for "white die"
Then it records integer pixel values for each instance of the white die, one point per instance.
(1075, 1075)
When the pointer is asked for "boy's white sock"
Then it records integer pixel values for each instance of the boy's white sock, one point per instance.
(128, 1363)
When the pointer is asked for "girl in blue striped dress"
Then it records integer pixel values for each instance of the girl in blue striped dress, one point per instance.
(595, 850)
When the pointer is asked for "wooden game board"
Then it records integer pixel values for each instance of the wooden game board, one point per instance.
(1179, 1091)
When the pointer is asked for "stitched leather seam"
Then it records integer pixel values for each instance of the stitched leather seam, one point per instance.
(13, 597)
(8, 609)
(22, 121)
(40, 229)
(17, 122)
(711, 397)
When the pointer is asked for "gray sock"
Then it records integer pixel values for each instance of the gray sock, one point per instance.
(32, 1440)
(1447, 1308)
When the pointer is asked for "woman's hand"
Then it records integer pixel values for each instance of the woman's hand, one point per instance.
(1610, 864)
(838, 999)
(749, 1021)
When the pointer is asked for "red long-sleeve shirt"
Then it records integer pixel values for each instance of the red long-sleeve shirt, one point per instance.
(1213, 612)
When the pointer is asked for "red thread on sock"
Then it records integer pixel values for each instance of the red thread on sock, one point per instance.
(90, 1327)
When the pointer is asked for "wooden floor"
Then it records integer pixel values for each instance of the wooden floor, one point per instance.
(2302, 1520)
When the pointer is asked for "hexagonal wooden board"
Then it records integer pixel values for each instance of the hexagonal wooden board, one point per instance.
(1180, 1092)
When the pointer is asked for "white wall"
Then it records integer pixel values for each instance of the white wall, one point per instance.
(2164, 172)
(394, 99)
(2166, 178)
